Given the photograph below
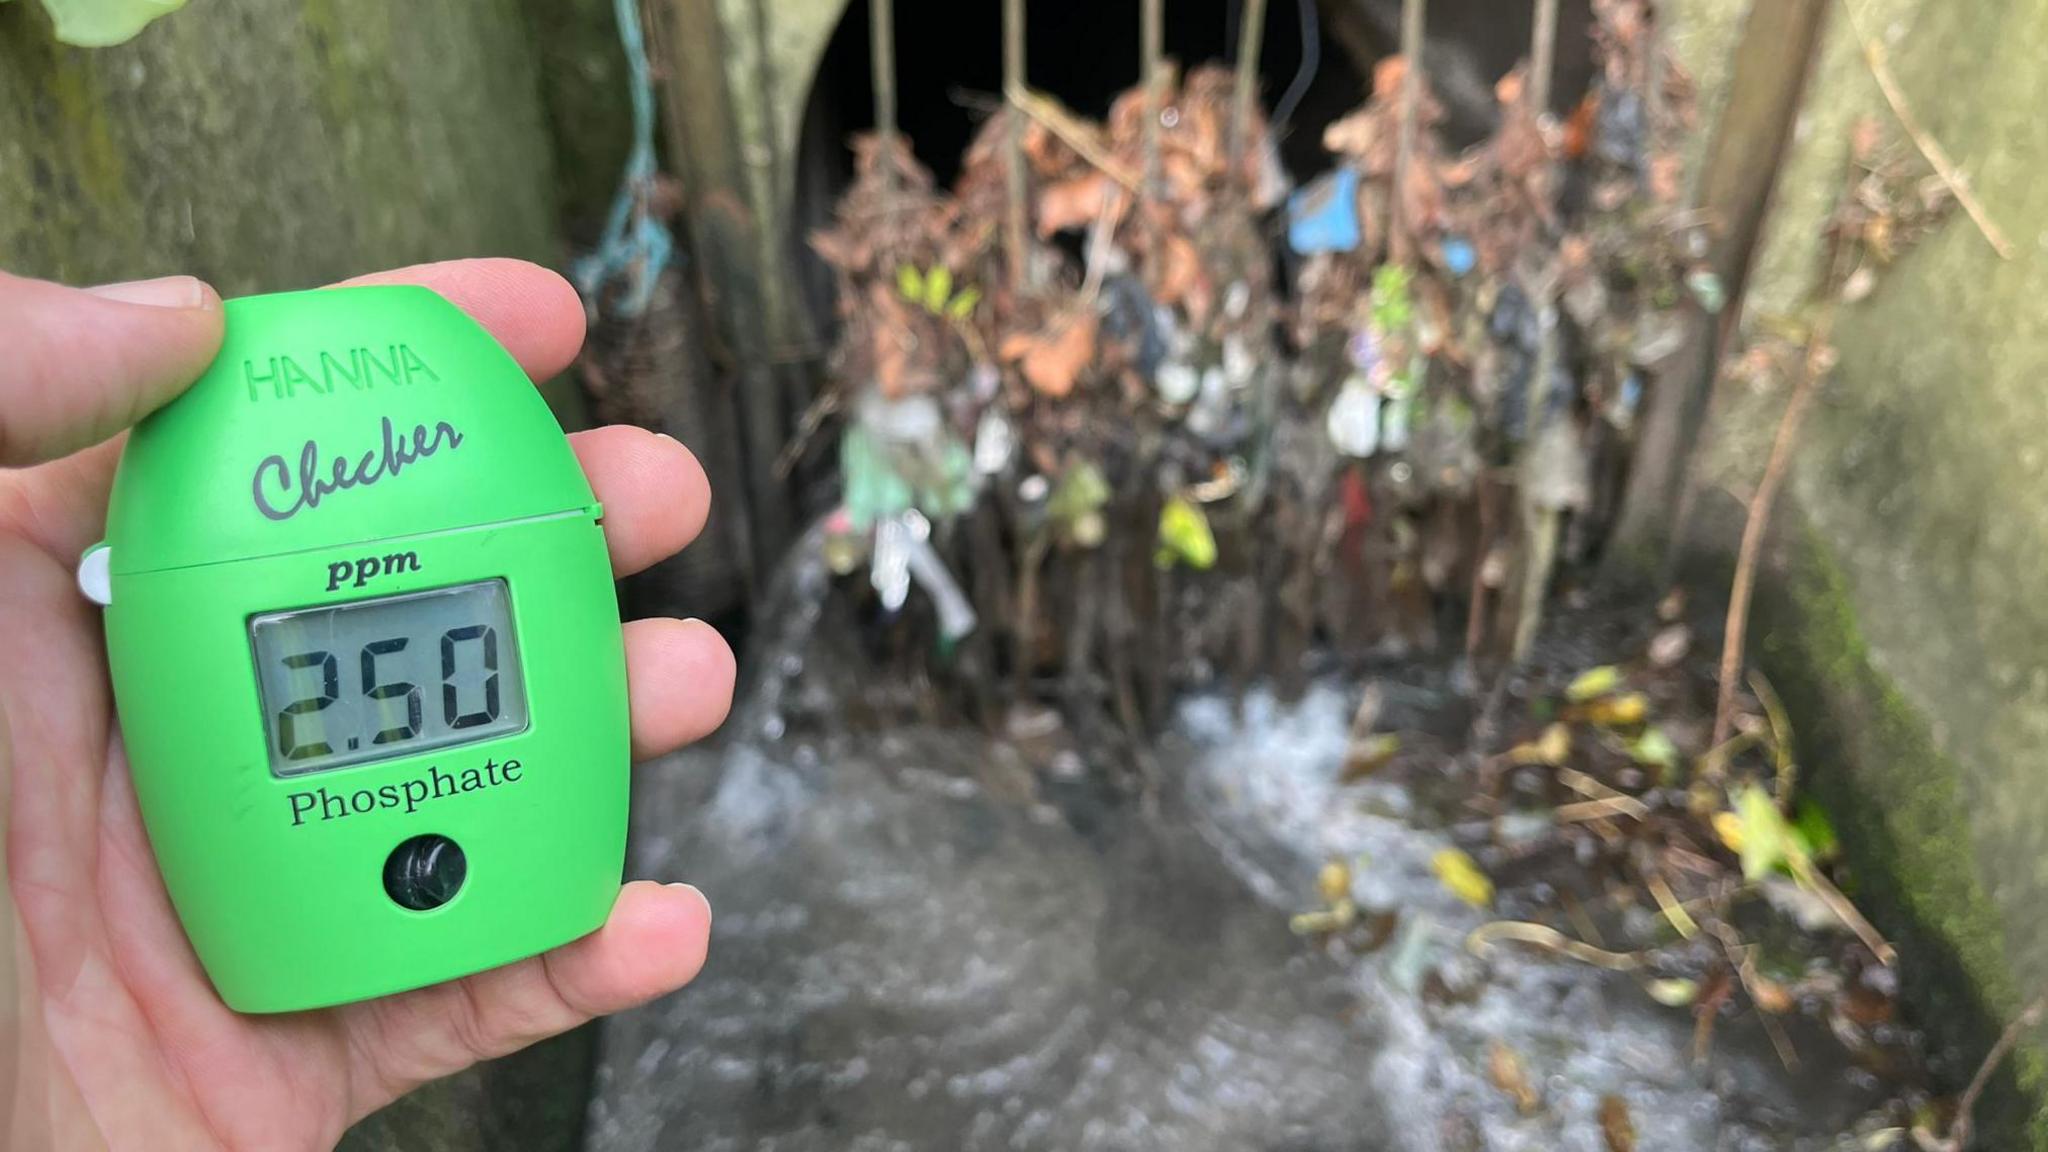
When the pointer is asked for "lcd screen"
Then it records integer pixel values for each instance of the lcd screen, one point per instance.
(389, 677)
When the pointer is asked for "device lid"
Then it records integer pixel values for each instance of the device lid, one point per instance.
(333, 417)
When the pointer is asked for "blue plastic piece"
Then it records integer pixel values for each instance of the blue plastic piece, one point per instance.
(1323, 217)
(1459, 256)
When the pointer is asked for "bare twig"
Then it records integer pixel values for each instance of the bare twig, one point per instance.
(1584, 810)
(1074, 133)
(1412, 15)
(1152, 74)
(1781, 738)
(882, 61)
(1667, 902)
(1013, 148)
(1249, 43)
(1937, 156)
(1483, 938)
(1811, 877)
(1813, 368)
(1543, 62)
(1959, 1129)
(1742, 956)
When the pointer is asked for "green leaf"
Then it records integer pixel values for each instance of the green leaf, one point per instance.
(1080, 494)
(938, 288)
(1654, 749)
(1463, 877)
(963, 305)
(1184, 535)
(1674, 993)
(1593, 683)
(1392, 307)
(910, 283)
(102, 23)
(1768, 842)
(1816, 829)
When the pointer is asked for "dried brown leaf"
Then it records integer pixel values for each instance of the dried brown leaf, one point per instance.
(1053, 359)
(1504, 1068)
(1616, 1126)
(1075, 202)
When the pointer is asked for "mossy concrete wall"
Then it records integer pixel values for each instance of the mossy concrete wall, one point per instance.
(276, 144)
(1907, 611)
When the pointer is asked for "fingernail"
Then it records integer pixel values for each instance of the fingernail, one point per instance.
(682, 887)
(162, 292)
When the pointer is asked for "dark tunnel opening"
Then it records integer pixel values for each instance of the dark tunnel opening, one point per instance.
(949, 75)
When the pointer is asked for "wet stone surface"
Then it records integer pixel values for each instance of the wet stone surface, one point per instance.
(931, 940)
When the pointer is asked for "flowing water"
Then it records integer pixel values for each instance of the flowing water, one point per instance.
(932, 940)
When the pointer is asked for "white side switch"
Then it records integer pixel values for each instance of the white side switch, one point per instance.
(95, 574)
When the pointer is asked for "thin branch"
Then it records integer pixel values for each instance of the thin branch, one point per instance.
(1937, 156)
(1543, 61)
(1483, 938)
(1249, 42)
(1811, 878)
(1813, 369)
(1152, 74)
(1959, 1130)
(1074, 133)
(1413, 13)
(1013, 84)
(1781, 738)
(882, 62)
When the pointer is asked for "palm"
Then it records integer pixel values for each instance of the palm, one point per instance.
(132, 1020)
(137, 1048)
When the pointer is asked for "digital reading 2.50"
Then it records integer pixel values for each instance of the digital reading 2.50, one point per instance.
(346, 684)
(345, 638)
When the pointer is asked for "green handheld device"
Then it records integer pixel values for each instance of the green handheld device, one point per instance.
(366, 654)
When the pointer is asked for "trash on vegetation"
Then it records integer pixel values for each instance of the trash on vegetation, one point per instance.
(1202, 401)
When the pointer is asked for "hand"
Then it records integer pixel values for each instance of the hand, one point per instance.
(110, 1034)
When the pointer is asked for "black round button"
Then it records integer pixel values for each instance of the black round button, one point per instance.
(425, 872)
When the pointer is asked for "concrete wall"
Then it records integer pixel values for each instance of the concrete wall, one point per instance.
(1906, 616)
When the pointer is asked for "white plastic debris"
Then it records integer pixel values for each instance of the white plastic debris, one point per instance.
(1354, 419)
(995, 442)
(889, 572)
(903, 554)
(1176, 382)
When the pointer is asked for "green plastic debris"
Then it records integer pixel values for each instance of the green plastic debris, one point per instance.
(873, 489)
(881, 482)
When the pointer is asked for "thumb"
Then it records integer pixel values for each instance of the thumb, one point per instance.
(80, 364)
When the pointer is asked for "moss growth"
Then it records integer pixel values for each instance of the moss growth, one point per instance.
(1871, 758)
(272, 144)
